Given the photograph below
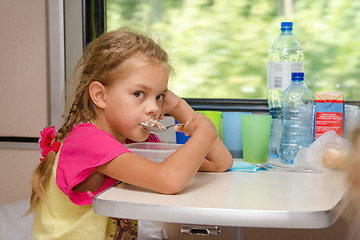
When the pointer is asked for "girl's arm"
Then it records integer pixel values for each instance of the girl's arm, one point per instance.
(218, 158)
(171, 175)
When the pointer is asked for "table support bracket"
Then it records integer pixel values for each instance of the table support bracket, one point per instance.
(200, 230)
(235, 233)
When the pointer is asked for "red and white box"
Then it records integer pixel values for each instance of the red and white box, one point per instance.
(329, 113)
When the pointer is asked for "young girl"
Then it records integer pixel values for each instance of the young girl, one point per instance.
(123, 80)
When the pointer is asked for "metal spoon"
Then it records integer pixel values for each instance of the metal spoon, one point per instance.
(157, 129)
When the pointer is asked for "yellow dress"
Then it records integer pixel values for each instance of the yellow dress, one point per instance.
(59, 218)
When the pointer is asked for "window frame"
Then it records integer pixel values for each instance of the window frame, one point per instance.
(94, 24)
(94, 19)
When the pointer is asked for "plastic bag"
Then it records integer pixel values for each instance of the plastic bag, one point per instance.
(149, 231)
(351, 119)
(328, 145)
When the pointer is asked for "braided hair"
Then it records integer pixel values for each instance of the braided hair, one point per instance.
(107, 58)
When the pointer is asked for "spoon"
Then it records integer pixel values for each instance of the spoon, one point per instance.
(160, 128)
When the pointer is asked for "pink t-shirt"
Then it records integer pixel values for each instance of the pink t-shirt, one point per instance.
(85, 148)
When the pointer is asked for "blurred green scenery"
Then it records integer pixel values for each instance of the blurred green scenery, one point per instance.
(219, 48)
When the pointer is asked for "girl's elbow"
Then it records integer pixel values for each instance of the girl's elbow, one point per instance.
(224, 162)
(222, 168)
(172, 187)
(229, 164)
(171, 184)
(225, 165)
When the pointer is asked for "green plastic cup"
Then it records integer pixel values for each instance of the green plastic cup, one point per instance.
(215, 117)
(255, 137)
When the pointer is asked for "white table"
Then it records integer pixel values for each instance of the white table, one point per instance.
(236, 199)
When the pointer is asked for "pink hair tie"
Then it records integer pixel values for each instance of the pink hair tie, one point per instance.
(47, 141)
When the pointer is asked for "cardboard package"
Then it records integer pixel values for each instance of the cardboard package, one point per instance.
(329, 113)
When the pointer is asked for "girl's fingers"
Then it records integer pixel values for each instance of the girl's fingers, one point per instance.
(180, 128)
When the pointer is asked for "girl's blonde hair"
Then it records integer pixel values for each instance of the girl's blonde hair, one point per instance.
(111, 56)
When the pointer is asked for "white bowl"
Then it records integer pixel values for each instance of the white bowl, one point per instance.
(153, 151)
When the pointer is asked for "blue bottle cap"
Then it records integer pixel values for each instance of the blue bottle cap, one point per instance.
(297, 76)
(286, 26)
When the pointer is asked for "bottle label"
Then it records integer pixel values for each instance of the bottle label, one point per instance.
(279, 74)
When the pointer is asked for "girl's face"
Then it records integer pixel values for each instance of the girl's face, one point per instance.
(132, 100)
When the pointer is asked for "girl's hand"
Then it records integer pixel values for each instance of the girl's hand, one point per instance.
(198, 123)
(171, 103)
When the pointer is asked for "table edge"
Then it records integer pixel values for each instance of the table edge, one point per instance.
(223, 217)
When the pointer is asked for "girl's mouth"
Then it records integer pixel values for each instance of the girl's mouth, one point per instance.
(144, 127)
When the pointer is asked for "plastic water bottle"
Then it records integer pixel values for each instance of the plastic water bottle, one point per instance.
(285, 57)
(297, 118)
